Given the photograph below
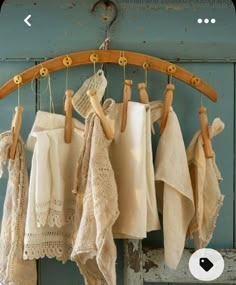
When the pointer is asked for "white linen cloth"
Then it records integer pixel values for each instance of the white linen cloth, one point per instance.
(205, 177)
(94, 249)
(55, 162)
(131, 158)
(14, 269)
(174, 189)
(51, 207)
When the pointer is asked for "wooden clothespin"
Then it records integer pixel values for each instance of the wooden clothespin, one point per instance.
(205, 132)
(16, 124)
(126, 97)
(166, 105)
(68, 119)
(144, 98)
(109, 133)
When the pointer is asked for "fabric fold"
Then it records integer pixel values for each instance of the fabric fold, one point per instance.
(14, 269)
(51, 209)
(55, 161)
(131, 158)
(174, 189)
(94, 249)
(205, 177)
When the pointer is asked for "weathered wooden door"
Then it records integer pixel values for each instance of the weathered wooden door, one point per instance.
(165, 29)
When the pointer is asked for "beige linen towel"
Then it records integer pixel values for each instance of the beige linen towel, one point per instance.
(131, 158)
(14, 270)
(205, 177)
(174, 190)
(94, 249)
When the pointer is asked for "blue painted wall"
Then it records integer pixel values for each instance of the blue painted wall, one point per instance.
(167, 29)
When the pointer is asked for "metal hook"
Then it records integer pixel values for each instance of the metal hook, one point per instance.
(107, 3)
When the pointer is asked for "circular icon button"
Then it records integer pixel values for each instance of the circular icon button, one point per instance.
(206, 264)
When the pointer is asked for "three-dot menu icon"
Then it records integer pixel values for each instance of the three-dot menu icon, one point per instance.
(206, 21)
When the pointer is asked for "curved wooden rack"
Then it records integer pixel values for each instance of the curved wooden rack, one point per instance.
(112, 56)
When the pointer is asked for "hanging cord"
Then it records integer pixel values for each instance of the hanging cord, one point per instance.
(67, 84)
(146, 77)
(169, 79)
(51, 104)
(201, 100)
(124, 69)
(18, 102)
(18, 95)
(94, 68)
(67, 77)
(47, 88)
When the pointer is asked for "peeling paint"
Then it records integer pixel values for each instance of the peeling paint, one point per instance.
(134, 258)
(149, 265)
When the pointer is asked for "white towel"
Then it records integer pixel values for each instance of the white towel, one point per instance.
(205, 177)
(131, 158)
(49, 228)
(174, 189)
(54, 164)
(46, 121)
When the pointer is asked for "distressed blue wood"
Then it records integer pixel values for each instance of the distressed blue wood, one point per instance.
(234, 138)
(171, 31)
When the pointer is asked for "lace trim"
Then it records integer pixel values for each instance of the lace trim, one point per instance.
(41, 245)
(55, 218)
(48, 215)
(59, 250)
(56, 213)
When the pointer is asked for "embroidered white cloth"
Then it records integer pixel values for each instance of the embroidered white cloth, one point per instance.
(174, 189)
(131, 158)
(55, 161)
(51, 208)
(94, 249)
(13, 269)
(205, 177)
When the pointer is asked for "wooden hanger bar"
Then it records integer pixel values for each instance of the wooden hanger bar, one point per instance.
(112, 56)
